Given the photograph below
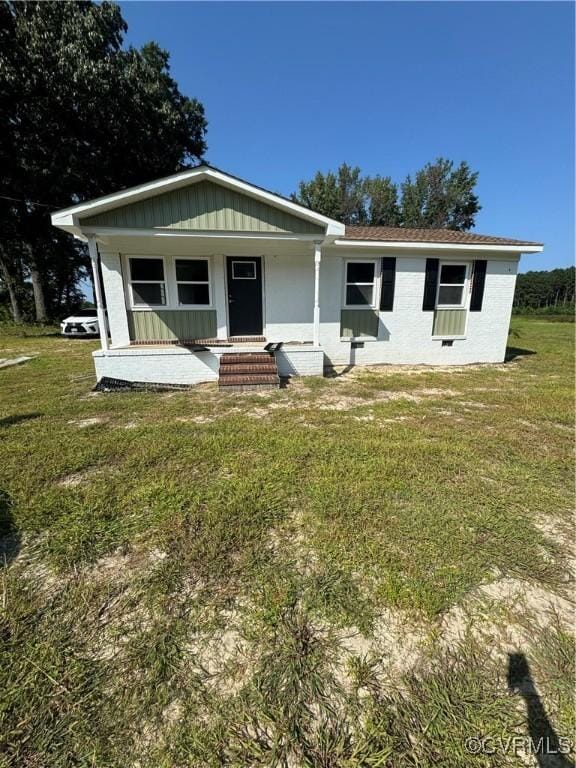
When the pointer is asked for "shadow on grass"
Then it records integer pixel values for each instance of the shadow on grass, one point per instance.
(18, 418)
(9, 535)
(332, 373)
(548, 749)
(514, 352)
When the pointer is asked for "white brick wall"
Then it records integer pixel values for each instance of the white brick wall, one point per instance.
(294, 362)
(158, 366)
(405, 335)
(182, 366)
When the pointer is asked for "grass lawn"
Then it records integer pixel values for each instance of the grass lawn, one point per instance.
(365, 570)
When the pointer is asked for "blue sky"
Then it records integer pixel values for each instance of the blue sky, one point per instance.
(290, 88)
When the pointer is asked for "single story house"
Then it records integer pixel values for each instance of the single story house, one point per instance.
(201, 272)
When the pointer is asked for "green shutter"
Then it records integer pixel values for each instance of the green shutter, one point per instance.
(355, 323)
(170, 325)
(449, 322)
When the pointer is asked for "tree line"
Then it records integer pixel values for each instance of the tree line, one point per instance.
(546, 290)
(440, 195)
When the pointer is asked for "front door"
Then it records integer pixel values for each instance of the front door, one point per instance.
(244, 295)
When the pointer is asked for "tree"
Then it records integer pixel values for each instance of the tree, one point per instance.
(350, 198)
(440, 196)
(338, 195)
(80, 116)
(383, 209)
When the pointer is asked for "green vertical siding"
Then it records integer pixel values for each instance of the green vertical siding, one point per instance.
(166, 324)
(204, 206)
(358, 322)
(449, 322)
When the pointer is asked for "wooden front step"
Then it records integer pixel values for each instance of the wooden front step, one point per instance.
(247, 371)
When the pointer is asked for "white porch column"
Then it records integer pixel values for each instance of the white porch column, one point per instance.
(102, 324)
(220, 299)
(317, 260)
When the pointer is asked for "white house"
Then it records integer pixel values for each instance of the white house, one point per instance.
(201, 270)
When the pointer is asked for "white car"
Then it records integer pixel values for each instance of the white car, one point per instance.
(84, 322)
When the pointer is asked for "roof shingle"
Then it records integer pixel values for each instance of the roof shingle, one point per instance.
(405, 234)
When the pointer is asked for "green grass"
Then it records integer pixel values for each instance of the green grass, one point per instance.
(181, 569)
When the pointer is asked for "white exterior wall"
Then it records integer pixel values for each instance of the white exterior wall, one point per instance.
(405, 334)
(178, 365)
(289, 296)
(156, 365)
(296, 362)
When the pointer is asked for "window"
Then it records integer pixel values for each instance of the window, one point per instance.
(147, 282)
(244, 270)
(451, 285)
(192, 281)
(360, 280)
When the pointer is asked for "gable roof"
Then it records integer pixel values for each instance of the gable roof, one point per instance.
(70, 219)
(444, 236)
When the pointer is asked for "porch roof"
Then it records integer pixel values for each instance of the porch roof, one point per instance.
(198, 199)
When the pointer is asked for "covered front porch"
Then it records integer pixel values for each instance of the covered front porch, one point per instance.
(188, 364)
(188, 267)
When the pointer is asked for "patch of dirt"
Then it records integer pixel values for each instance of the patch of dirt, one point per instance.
(397, 643)
(563, 427)
(90, 422)
(396, 418)
(225, 659)
(122, 565)
(344, 372)
(506, 611)
(8, 362)
(437, 392)
(479, 406)
(76, 478)
(196, 419)
(529, 424)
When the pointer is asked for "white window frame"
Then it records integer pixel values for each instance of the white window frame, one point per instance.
(465, 285)
(207, 282)
(244, 261)
(164, 282)
(374, 283)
